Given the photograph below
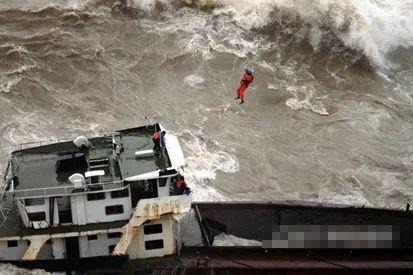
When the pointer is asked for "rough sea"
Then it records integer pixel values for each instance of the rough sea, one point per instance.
(328, 117)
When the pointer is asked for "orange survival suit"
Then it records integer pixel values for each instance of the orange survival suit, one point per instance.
(245, 82)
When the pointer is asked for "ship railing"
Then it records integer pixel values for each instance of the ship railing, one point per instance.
(69, 189)
(5, 201)
(32, 144)
(5, 209)
(5, 186)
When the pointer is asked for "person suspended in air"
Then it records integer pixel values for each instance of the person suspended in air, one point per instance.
(247, 78)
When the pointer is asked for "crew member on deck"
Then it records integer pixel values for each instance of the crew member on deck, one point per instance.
(180, 185)
(247, 78)
(156, 144)
(162, 140)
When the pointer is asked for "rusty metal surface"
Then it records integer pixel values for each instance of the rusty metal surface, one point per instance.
(150, 209)
(156, 207)
(36, 243)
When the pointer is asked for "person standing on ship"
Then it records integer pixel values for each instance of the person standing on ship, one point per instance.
(247, 78)
(156, 144)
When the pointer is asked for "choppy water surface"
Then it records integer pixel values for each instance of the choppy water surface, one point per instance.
(328, 118)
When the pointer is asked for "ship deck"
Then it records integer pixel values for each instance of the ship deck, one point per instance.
(51, 165)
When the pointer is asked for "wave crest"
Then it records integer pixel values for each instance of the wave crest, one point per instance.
(374, 27)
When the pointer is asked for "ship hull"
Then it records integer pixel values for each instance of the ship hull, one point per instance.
(241, 260)
(255, 221)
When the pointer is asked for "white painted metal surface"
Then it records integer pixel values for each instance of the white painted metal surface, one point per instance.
(163, 191)
(145, 176)
(78, 180)
(93, 211)
(151, 209)
(40, 224)
(138, 250)
(174, 151)
(81, 141)
(149, 176)
(144, 153)
(94, 173)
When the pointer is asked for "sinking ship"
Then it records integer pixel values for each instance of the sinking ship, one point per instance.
(118, 202)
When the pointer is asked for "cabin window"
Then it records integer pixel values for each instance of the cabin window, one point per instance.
(155, 244)
(162, 182)
(114, 209)
(12, 244)
(114, 235)
(152, 229)
(96, 196)
(120, 193)
(111, 248)
(92, 237)
(65, 216)
(34, 201)
(37, 216)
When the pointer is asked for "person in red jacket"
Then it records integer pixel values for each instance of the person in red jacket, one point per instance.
(247, 78)
(156, 144)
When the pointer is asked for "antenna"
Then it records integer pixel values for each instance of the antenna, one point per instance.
(154, 118)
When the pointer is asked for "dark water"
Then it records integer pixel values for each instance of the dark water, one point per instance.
(328, 118)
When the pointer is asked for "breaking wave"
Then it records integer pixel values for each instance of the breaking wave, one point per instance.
(205, 161)
(375, 28)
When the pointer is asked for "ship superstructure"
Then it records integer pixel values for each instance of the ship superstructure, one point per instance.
(108, 195)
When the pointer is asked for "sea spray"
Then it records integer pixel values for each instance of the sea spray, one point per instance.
(374, 27)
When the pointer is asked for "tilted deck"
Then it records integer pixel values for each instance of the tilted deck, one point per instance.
(51, 165)
(43, 171)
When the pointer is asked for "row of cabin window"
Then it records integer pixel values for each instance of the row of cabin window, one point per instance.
(110, 236)
(147, 230)
(15, 243)
(109, 210)
(124, 193)
(149, 245)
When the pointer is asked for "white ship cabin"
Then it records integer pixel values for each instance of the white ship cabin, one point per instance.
(109, 195)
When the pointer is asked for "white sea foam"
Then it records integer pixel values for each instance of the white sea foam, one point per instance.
(20, 69)
(40, 5)
(308, 103)
(194, 80)
(14, 49)
(14, 270)
(373, 27)
(297, 104)
(6, 83)
(203, 166)
(231, 240)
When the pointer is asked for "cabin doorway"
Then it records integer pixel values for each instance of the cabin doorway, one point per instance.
(72, 248)
(64, 210)
(145, 189)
